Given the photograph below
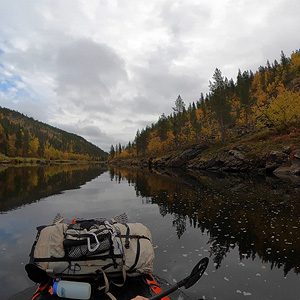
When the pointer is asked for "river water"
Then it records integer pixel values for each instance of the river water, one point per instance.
(248, 227)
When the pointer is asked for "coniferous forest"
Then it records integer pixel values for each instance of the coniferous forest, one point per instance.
(21, 136)
(266, 101)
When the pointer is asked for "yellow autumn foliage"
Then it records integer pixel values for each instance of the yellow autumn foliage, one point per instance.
(282, 111)
(155, 144)
(295, 63)
(34, 146)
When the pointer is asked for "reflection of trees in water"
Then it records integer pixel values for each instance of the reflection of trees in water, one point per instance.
(24, 185)
(179, 222)
(259, 216)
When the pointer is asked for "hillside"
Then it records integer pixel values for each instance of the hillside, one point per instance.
(256, 114)
(22, 136)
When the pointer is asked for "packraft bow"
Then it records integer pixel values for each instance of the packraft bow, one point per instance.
(144, 285)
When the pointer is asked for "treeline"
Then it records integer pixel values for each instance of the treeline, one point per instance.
(21, 136)
(267, 99)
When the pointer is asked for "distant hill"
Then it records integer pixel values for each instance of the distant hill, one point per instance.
(22, 136)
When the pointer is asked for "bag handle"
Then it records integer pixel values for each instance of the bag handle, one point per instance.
(89, 242)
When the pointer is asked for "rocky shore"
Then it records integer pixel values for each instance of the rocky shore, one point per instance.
(239, 159)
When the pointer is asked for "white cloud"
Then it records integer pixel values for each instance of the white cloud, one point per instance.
(104, 69)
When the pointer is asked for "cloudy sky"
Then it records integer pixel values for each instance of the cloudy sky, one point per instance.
(105, 68)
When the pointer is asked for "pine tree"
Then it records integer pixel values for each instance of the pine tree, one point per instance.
(179, 119)
(163, 127)
(112, 151)
(243, 92)
(219, 102)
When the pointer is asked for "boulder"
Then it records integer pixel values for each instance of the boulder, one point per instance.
(297, 154)
(275, 159)
(295, 164)
(236, 154)
(181, 160)
(242, 148)
(291, 167)
(287, 150)
(227, 161)
(5, 162)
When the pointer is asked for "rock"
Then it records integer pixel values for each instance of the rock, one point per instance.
(287, 150)
(274, 160)
(227, 161)
(297, 172)
(295, 164)
(290, 167)
(297, 154)
(282, 171)
(242, 148)
(237, 154)
(181, 160)
(5, 162)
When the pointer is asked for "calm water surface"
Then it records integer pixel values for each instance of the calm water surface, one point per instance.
(249, 227)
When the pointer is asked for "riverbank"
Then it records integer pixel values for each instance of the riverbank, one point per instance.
(262, 153)
(5, 160)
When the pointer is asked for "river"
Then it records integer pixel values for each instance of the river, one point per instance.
(249, 227)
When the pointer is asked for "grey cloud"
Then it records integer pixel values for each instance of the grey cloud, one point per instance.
(30, 60)
(162, 88)
(180, 18)
(88, 64)
(163, 78)
(145, 105)
(88, 71)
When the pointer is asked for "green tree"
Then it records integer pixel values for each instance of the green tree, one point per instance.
(163, 127)
(243, 85)
(196, 126)
(112, 151)
(219, 101)
(179, 119)
(142, 140)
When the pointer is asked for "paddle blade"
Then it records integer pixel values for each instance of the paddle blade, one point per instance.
(197, 272)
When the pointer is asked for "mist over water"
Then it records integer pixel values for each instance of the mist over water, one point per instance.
(249, 227)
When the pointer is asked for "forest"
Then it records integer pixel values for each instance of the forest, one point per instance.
(21, 136)
(267, 100)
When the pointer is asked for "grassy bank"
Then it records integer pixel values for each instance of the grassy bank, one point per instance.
(5, 160)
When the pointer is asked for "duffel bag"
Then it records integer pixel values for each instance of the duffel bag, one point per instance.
(91, 248)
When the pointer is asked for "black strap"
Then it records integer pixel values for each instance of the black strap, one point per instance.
(84, 258)
(127, 236)
(134, 236)
(138, 250)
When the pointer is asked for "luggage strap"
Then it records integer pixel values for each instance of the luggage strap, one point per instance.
(106, 286)
(138, 250)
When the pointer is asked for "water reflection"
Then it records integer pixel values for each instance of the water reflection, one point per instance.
(24, 185)
(258, 216)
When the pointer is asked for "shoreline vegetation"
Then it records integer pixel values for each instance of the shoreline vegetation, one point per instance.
(33, 161)
(263, 153)
(251, 124)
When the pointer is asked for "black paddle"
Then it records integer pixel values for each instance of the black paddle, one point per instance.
(187, 282)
